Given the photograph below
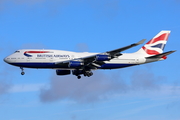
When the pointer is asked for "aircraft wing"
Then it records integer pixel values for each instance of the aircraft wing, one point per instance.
(92, 62)
(97, 60)
(87, 61)
(117, 51)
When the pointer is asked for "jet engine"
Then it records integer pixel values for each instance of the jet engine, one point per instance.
(102, 57)
(63, 72)
(75, 64)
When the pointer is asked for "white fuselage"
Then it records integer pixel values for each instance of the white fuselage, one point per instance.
(48, 58)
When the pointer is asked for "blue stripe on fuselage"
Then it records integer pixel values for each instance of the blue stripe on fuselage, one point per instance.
(36, 65)
(114, 66)
(53, 65)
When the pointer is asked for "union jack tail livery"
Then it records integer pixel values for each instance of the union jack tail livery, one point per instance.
(156, 45)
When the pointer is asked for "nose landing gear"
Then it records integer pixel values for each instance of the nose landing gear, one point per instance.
(22, 73)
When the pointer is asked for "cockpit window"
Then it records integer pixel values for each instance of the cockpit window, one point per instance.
(16, 51)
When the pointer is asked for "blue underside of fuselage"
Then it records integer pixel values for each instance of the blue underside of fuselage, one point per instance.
(55, 66)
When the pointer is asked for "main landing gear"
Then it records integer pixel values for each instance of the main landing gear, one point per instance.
(79, 77)
(85, 72)
(22, 73)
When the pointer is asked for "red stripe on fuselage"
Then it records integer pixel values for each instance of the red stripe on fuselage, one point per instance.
(37, 52)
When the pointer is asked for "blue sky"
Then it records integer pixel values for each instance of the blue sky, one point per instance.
(145, 92)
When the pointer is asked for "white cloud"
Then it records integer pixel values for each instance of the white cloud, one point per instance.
(101, 86)
(16, 88)
(84, 90)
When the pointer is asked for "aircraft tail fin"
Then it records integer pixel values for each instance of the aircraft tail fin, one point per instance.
(156, 45)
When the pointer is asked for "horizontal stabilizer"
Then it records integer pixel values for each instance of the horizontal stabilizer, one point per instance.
(161, 55)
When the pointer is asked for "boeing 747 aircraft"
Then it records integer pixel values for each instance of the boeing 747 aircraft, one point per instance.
(82, 63)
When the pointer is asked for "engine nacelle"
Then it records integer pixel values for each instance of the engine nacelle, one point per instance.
(75, 64)
(102, 57)
(63, 72)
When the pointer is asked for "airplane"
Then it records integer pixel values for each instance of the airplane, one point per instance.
(82, 63)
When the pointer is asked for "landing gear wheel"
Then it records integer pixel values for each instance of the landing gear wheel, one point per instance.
(22, 73)
(79, 77)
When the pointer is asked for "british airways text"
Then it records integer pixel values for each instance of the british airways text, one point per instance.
(43, 55)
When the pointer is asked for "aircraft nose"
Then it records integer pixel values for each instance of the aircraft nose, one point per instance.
(6, 60)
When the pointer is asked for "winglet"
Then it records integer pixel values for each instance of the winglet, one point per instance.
(141, 42)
